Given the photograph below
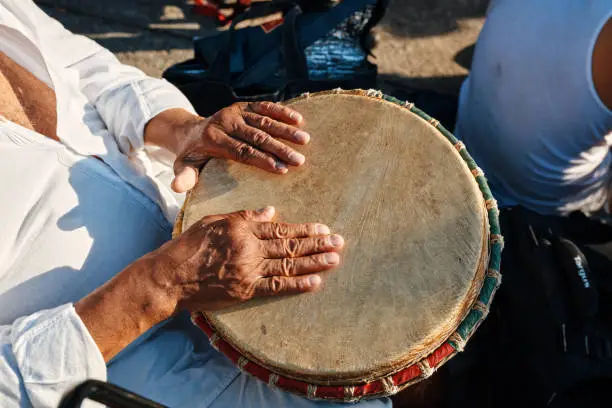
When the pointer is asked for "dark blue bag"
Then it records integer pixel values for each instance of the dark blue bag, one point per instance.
(308, 52)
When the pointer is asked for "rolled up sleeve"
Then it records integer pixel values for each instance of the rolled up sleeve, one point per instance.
(45, 355)
(125, 97)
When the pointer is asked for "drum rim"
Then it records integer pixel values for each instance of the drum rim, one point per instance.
(392, 383)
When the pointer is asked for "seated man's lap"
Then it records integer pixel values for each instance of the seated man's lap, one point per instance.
(175, 365)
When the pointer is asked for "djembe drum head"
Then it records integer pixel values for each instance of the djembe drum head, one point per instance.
(420, 263)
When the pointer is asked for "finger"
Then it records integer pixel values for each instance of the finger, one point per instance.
(300, 266)
(267, 144)
(281, 285)
(262, 215)
(277, 129)
(185, 178)
(277, 111)
(228, 147)
(299, 247)
(280, 230)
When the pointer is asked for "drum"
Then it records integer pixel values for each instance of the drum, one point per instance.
(420, 265)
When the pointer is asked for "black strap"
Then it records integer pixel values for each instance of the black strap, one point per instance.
(107, 394)
(220, 68)
(293, 53)
(294, 56)
(377, 15)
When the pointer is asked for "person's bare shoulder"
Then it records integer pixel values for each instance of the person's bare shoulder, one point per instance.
(601, 63)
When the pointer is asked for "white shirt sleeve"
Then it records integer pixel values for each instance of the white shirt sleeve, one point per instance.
(125, 97)
(45, 355)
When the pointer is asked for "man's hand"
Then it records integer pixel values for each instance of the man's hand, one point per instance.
(250, 133)
(221, 261)
(224, 260)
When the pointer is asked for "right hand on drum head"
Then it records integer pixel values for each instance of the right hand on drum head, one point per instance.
(220, 261)
(223, 260)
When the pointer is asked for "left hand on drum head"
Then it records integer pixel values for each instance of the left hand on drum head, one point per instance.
(249, 133)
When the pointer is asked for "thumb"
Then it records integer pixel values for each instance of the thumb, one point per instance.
(185, 178)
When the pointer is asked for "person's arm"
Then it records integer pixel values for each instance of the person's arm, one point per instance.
(249, 133)
(124, 96)
(139, 110)
(602, 64)
(219, 262)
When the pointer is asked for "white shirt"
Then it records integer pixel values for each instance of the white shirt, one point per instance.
(70, 222)
(529, 113)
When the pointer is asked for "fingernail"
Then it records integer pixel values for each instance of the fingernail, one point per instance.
(322, 229)
(302, 137)
(296, 116)
(332, 258)
(297, 158)
(337, 241)
(280, 165)
(314, 280)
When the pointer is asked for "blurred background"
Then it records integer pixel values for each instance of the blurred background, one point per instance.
(421, 44)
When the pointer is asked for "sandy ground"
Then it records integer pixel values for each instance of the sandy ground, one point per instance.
(427, 43)
(422, 43)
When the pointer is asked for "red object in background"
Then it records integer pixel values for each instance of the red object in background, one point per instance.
(212, 8)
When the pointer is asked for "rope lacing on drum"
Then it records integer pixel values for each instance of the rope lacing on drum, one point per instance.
(408, 105)
(311, 391)
(426, 370)
(374, 93)
(349, 394)
(481, 307)
(491, 204)
(494, 273)
(242, 362)
(273, 379)
(477, 172)
(214, 339)
(458, 341)
(389, 385)
(459, 146)
(434, 122)
(497, 239)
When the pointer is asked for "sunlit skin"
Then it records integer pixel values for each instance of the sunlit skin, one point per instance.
(601, 63)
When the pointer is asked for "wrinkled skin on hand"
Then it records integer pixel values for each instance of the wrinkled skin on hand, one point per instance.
(224, 260)
(249, 133)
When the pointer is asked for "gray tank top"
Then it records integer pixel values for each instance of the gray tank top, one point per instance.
(529, 113)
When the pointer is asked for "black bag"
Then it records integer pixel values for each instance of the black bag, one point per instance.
(550, 339)
(308, 52)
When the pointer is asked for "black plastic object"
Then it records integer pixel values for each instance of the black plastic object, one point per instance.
(110, 395)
